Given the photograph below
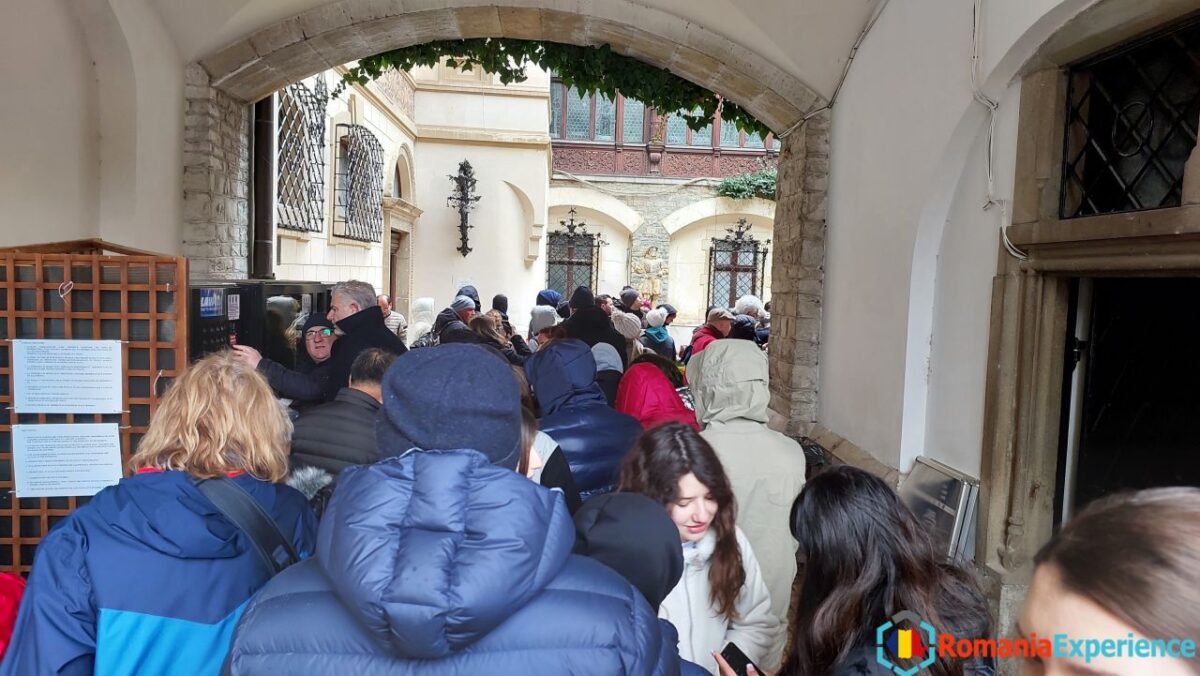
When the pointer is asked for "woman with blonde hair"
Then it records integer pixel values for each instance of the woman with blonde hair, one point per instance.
(149, 576)
(487, 328)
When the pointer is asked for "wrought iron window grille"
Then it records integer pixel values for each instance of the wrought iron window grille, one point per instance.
(736, 265)
(300, 157)
(1131, 125)
(359, 186)
(573, 256)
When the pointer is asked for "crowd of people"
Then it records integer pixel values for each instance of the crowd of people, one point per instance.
(563, 500)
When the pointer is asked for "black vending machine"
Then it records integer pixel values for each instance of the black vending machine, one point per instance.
(258, 313)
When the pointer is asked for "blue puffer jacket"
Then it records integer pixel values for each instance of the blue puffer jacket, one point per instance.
(437, 562)
(575, 413)
(147, 578)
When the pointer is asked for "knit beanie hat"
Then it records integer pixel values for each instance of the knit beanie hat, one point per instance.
(316, 319)
(449, 397)
(541, 317)
(462, 303)
(627, 325)
(656, 317)
(629, 297)
(583, 297)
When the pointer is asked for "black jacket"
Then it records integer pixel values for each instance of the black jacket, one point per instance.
(360, 331)
(305, 385)
(338, 434)
(592, 326)
(450, 329)
(665, 347)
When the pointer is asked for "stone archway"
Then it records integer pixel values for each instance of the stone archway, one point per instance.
(219, 86)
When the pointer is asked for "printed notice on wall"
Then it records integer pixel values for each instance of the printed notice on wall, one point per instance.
(67, 376)
(52, 461)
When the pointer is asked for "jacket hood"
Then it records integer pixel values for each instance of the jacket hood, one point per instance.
(422, 310)
(563, 374)
(435, 549)
(607, 358)
(470, 292)
(549, 297)
(633, 535)
(658, 334)
(646, 394)
(729, 382)
(160, 510)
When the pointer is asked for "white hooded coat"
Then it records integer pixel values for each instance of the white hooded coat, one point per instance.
(729, 387)
(702, 629)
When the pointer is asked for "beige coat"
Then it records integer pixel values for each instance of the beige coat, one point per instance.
(729, 386)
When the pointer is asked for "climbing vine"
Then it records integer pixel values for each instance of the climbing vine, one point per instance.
(752, 184)
(589, 69)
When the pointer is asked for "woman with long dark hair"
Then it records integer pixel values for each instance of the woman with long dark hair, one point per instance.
(867, 559)
(721, 598)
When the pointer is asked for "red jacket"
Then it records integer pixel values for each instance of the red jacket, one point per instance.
(12, 587)
(647, 395)
(704, 337)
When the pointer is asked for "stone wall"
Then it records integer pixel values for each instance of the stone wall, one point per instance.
(654, 201)
(216, 180)
(797, 276)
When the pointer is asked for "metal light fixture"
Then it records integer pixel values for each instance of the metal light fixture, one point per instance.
(463, 198)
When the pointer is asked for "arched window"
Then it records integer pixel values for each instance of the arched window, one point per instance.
(359, 184)
(300, 186)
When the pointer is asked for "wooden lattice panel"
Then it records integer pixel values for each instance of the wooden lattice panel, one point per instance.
(139, 300)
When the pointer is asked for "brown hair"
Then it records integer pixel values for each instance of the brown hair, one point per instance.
(220, 416)
(485, 326)
(660, 458)
(529, 430)
(1137, 556)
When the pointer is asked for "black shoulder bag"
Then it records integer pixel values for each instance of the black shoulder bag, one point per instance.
(236, 504)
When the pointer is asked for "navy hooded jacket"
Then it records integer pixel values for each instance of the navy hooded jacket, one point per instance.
(438, 562)
(147, 578)
(575, 413)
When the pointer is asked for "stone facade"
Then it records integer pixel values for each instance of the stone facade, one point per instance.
(796, 284)
(216, 180)
(654, 201)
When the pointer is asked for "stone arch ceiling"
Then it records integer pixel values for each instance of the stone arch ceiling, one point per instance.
(778, 58)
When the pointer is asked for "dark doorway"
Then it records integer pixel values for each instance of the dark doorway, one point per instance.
(1139, 423)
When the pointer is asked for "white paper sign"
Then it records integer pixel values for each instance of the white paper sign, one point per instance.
(233, 305)
(63, 460)
(67, 376)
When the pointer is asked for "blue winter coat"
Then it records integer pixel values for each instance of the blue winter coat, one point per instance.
(575, 413)
(437, 562)
(147, 578)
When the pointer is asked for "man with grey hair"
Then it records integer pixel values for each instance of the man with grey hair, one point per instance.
(355, 312)
(748, 305)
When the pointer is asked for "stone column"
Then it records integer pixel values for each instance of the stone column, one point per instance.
(216, 180)
(798, 250)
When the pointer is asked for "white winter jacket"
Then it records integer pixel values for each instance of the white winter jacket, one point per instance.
(702, 629)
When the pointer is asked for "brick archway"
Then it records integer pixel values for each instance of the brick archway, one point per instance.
(217, 131)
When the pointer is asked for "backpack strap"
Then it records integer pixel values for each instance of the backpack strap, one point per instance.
(244, 511)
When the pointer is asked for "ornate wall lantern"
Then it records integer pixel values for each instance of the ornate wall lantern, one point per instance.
(463, 198)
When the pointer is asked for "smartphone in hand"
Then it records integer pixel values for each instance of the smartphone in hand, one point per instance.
(738, 660)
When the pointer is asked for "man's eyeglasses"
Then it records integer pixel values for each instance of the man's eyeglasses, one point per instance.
(313, 333)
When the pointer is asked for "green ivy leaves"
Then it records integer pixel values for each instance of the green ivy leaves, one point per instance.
(753, 184)
(590, 69)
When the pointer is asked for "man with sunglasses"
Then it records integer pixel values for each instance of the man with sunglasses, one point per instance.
(306, 384)
(354, 310)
